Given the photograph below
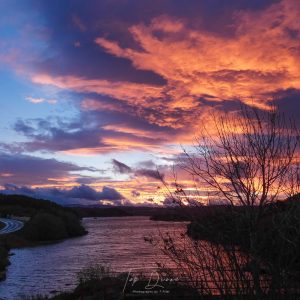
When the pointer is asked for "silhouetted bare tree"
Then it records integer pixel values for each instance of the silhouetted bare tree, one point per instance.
(251, 164)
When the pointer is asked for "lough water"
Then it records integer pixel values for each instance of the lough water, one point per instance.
(115, 242)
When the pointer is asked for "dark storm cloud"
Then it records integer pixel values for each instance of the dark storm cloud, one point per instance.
(155, 174)
(83, 194)
(74, 25)
(27, 170)
(120, 167)
(288, 102)
(56, 136)
(89, 131)
(147, 164)
(138, 171)
(86, 192)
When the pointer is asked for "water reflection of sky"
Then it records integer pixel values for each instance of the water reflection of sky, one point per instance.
(117, 242)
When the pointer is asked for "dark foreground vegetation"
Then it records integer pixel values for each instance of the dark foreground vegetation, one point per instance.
(98, 282)
(86, 212)
(251, 247)
(46, 222)
(183, 214)
(277, 234)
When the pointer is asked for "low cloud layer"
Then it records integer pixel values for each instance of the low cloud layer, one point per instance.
(78, 195)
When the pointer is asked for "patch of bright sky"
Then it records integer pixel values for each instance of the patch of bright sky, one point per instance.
(14, 90)
(23, 37)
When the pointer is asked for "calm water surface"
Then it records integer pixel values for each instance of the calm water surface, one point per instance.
(117, 242)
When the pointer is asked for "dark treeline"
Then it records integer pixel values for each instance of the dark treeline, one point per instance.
(155, 213)
(277, 233)
(85, 212)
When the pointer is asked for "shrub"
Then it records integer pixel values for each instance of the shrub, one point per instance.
(93, 273)
(45, 227)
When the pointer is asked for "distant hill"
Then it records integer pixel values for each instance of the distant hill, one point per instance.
(26, 206)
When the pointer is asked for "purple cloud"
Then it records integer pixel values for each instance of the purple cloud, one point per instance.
(150, 173)
(23, 169)
(121, 167)
(81, 195)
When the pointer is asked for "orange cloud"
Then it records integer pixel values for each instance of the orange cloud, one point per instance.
(125, 91)
(261, 57)
(123, 128)
(127, 144)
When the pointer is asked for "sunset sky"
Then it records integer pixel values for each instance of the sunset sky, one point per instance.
(95, 96)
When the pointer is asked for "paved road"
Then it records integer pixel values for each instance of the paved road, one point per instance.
(10, 225)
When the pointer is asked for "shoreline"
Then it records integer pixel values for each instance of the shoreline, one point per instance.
(6, 251)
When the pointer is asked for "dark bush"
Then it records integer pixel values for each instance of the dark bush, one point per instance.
(45, 227)
(73, 225)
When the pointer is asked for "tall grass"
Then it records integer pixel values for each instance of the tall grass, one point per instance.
(93, 273)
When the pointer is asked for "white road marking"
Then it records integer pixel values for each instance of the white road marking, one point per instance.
(10, 225)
